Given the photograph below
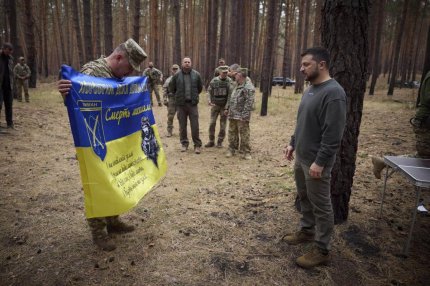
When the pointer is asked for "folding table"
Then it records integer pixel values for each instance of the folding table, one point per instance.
(417, 171)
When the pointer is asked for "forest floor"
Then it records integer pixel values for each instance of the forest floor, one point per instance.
(212, 220)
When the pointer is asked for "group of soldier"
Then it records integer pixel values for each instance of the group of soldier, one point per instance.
(10, 78)
(230, 95)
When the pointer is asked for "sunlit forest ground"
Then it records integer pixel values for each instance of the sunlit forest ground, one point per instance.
(212, 220)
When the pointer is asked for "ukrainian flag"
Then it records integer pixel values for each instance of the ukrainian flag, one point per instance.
(117, 141)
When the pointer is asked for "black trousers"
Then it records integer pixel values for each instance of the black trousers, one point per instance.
(6, 96)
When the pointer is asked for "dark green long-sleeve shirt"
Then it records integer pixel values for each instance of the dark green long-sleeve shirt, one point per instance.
(320, 123)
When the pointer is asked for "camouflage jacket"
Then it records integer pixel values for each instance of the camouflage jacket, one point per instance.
(153, 74)
(98, 68)
(423, 111)
(166, 94)
(240, 103)
(219, 90)
(21, 71)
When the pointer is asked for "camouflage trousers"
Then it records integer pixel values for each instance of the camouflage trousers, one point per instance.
(171, 111)
(215, 111)
(22, 84)
(238, 136)
(154, 87)
(98, 224)
(422, 137)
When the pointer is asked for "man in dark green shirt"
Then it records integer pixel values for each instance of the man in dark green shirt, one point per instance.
(320, 123)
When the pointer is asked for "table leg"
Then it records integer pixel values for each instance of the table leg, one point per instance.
(414, 216)
(385, 187)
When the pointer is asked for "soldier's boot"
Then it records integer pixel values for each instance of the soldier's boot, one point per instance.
(115, 225)
(313, 258)
(298, 237)
(169, 133)
(99, 234)
(229, 153)
(247, 156)
(209, 144)
(219, 143)
(378, 166)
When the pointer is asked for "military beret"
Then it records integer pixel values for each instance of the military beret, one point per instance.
(223, 68)
(175, 66)
(136, 55)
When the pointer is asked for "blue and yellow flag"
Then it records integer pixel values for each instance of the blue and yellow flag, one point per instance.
(117, 142)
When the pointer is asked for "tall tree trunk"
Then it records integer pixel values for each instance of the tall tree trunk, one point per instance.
(344, 33)
(177, 33)
(397, 47)
(136, 20)
(298, 87)
(426, 66)
(306, 25)
(87, 31)
(31, 43)
(108, 36)
(418, 40)
(77, 27)
(45, 37)
(376, 59)
(285, 61)
(63, 50)
(268, 55)
(154, 32)
(13, 24)
(317, 24)
(223, 28)
(97, 26)
(255, 37)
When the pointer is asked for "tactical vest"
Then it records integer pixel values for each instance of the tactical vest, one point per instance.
(219, 94)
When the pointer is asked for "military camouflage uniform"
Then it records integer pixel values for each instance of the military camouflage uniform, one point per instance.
(100, 68)
(22, 74)
(154, 76)
(239, 108)
(421, 121)
(218, 93)
(169, 101)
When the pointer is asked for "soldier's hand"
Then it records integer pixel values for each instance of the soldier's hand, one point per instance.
(64, 87)
(288, 152)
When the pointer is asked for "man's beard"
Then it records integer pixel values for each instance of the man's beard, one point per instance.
(312, 76)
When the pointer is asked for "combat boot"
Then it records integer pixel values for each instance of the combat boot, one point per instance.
(229, 153)
(114, 225)
(219, 144)
(378, 166)
(247, 156)
(169, 133)
(210, 144)
(103, 241)
(298, 237)
(313, 258)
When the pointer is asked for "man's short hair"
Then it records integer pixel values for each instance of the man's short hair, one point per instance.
(319, 54)
(7, 45)
(235, 67)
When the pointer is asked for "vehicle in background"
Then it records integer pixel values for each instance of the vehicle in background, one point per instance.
(279, 80)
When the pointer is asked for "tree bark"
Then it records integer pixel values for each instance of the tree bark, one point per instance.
(31, 43)
(298, 87)
(317, 24)
(268, 55)
(344, 34)
(108, 38)
(397, 47)
(177, 33)
(88, 37)
(13, 24)
(136, 21)
(377, 58)
(285, 61)
(75, 12)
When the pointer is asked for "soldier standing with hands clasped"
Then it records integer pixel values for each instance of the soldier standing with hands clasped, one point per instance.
(219, 91)
(22, 74)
